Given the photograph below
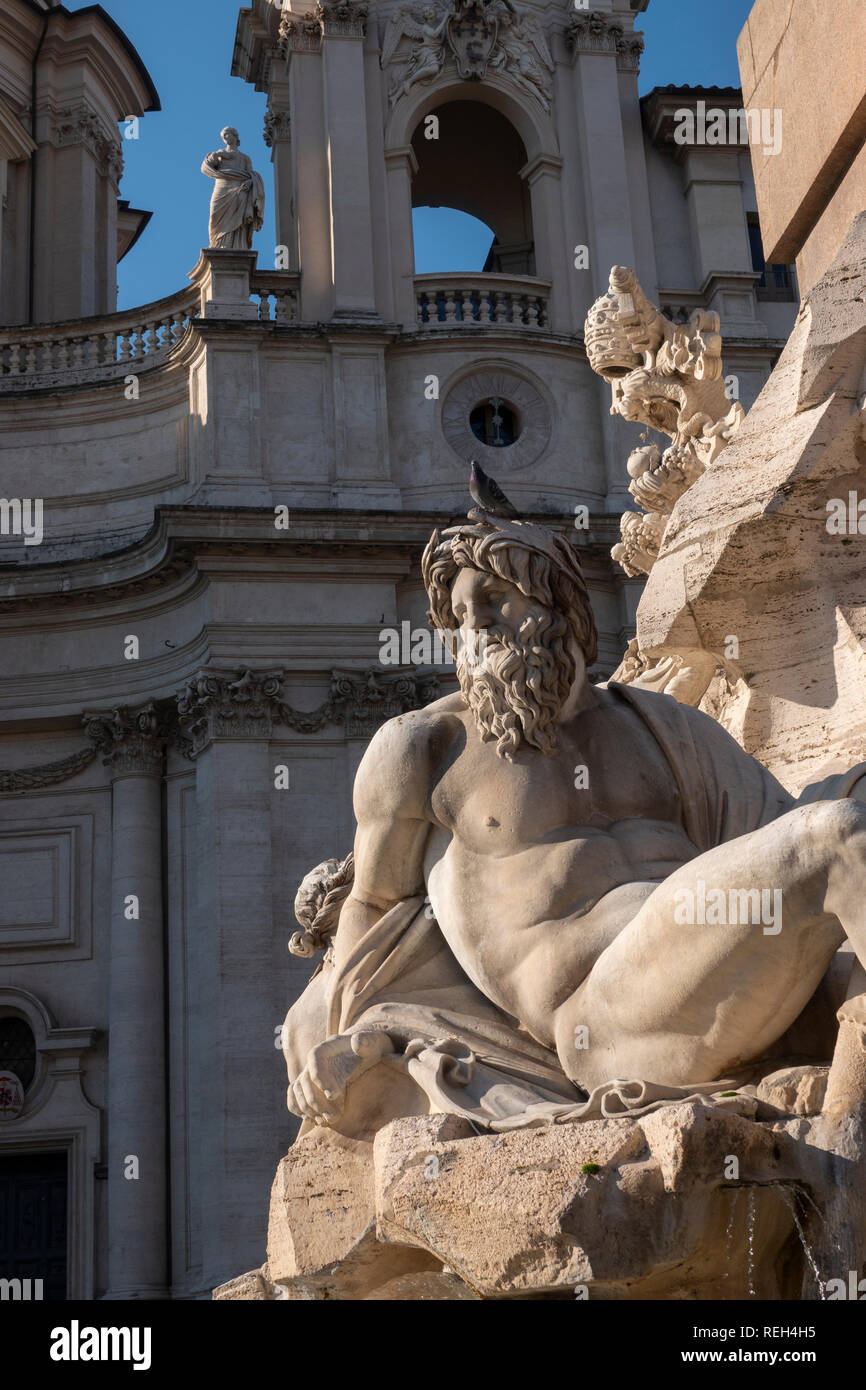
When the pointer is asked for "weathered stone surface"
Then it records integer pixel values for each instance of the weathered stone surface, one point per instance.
(795, 695)
(626, 1208)
(795, 1090)
(322, 1230)
(253, 1287)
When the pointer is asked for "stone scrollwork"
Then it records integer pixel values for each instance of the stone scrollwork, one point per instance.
(476, 36)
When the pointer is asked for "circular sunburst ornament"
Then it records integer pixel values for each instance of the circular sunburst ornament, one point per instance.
(11, 1095)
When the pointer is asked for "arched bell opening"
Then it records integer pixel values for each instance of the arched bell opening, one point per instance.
(469, 159)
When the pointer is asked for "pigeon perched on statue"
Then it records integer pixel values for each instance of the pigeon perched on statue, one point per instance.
(489, 495)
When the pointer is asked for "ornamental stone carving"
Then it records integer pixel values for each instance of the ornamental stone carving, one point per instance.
(347, 18)
(278, 126)
(25, 779)
(667, 376)
(219, 704)
(131, 741)
(474, 37)
(300, 34)
(250, 705)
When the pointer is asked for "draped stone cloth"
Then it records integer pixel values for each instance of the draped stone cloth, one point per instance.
(237, 203)
(470, 1058)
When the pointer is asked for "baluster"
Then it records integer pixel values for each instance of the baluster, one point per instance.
(542, 313)
(15, 359)
(466, 308)
(47, 345)
(30, 359)
(77, 353)
(450, 306)
(531, 312)
(93, 343)
(420, 307)
(501, 312)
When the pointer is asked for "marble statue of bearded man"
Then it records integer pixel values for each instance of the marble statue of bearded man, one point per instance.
(566, 899)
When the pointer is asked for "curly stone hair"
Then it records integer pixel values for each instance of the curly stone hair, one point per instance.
(538, 562)
(318, 903)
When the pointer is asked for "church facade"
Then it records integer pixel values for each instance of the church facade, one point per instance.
(214, 511)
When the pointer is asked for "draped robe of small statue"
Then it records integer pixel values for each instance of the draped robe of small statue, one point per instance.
(238, 201)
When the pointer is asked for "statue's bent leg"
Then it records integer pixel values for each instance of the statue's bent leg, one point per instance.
(684, 993)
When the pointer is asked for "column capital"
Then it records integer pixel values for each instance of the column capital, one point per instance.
(346, 19)
(229, 705)
(300, 33)
(131, 741)
(278, 126)
(601, 33)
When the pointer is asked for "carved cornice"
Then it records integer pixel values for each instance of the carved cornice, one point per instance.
(345, 18)
(278, 126)
(26, 779)
(129, 740)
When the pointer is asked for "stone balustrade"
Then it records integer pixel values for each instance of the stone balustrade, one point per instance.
(481, 300)
(277, 292)
(90, 350)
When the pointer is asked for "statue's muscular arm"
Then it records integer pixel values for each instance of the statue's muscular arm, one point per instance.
(391, 807)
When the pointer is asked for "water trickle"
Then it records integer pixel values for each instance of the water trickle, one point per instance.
(792, 1207)
(751, 1223)
(729, 1233)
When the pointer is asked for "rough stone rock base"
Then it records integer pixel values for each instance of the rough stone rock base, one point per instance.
(688, 1202)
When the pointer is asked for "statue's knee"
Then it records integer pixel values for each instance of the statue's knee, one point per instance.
(833, 824)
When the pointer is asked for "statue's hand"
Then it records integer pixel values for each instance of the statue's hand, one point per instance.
(319, 1092)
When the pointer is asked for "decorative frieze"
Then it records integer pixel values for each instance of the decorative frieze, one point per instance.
(250, 705)
(474, 37)
(26, 779)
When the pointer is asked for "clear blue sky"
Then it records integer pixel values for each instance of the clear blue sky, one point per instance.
(187, 47)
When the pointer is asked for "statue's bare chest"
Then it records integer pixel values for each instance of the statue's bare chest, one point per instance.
(607, 769)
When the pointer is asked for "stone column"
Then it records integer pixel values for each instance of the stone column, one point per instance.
(343, 30)
(229, 719)
(278, 138)
(137, 1100)
(303, 40)
(401, 165)
(552, 259)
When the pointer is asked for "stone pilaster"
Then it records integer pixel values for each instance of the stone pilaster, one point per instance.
(132, 744)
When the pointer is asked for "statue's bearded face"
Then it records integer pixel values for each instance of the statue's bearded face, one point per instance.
(517, 678)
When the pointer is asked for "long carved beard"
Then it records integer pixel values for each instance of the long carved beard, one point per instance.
(516, 688)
